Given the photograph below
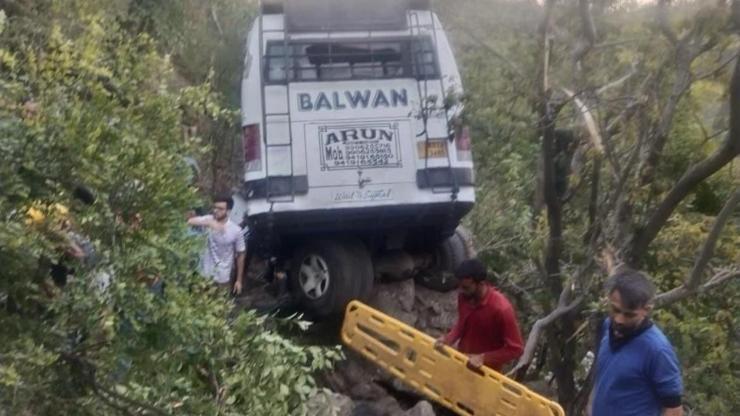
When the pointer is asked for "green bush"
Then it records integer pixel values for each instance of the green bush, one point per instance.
(83, 101)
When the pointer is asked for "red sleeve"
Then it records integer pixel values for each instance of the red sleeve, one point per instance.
(513, 345)
(455, 332)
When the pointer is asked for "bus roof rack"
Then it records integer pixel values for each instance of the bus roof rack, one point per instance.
(278, 6)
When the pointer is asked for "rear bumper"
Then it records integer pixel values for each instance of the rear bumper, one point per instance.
(280, 186)
(443, 217)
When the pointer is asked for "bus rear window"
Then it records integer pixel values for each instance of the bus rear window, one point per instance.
(350, 60)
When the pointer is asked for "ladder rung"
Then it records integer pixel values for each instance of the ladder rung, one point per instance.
(279, 145)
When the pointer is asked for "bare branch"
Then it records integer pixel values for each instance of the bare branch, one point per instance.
(694, 176)
(630, 110)
(214, 16)
(536, 332)
(663, 24)
(687, 49)
(620, 81)
(709, 245)
(606, 45)
(548, 114)
(691, 285)
(588, 119)
(659, 137)
(719, 279)
(588, 29)
(714, 72)
(682, 292)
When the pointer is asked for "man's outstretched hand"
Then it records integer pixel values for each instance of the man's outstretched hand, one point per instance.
(237, 290)
(439, 343)
(475, 360)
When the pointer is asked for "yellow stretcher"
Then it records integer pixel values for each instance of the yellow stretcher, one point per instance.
(440, 374)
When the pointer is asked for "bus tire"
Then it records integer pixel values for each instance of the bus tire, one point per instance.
(323, 277)
(448, 254)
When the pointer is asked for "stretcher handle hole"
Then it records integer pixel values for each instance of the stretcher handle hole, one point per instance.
(477, 371)
(466, 409)
(393, 345)
(513, 389)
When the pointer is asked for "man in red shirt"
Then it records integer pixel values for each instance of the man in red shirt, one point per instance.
(486, 328)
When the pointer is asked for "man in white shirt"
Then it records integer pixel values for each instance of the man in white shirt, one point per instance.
(224, 243)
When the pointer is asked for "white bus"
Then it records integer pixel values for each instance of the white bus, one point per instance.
(354, 157)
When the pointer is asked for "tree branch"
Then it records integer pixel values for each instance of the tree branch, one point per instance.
(114, 395)
(695, 175)
(659, 137)
(548, 115)
(709, 245)
(536, 332)
(588, 30)
(663, 24)
(691, 285)
(620, 81)
(718, 69)
(85, 372)
(588, 119)
(214, 16)
(682, 292)
(687, 49)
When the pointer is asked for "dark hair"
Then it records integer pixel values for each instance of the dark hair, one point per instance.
(472, 269)
(225, 198)
(635, 289)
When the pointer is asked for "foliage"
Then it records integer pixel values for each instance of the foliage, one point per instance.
(206, 41)
(86, 101)
(500, 45)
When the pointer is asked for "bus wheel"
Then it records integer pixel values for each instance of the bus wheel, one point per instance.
(325, 275)
(448, 255)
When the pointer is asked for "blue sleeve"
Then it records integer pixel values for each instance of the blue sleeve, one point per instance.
(665, 373)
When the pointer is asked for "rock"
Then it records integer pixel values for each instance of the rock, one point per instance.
(396, 300)
(401, 387)
(394, 266)
(436, 312)
(356, 370)
(387, 406)
(328, 403)
(374, 391)
(542, 388)
(367, 391)
(423, 408)
(335, 381)
(364, 409)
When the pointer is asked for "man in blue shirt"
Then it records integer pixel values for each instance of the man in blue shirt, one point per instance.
(637, 372)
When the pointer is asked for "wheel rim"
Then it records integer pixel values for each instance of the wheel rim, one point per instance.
(314, 276)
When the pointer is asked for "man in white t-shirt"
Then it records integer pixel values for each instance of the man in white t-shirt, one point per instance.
(224, 243)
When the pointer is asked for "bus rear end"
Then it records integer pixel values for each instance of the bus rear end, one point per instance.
(350, 125)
